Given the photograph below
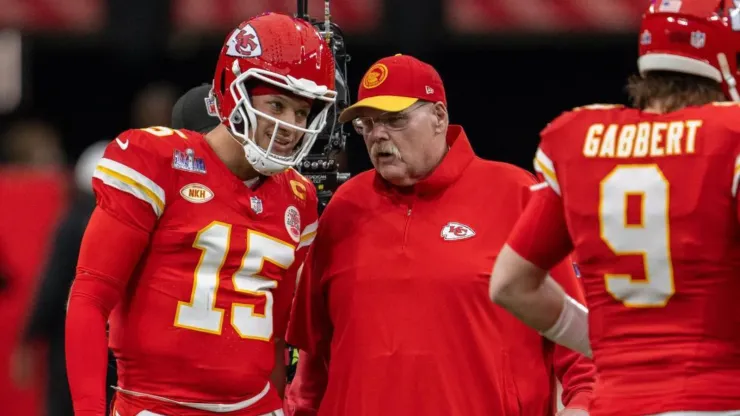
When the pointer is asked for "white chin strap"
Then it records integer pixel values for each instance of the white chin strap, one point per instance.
(266, 161)
(727, 76)
(257, 157)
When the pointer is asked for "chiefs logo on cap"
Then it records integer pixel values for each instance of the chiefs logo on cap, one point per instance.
(375, 76)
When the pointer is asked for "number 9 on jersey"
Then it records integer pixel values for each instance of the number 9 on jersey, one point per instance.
(649, 238)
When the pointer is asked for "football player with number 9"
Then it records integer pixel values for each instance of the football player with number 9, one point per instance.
(192, 251)
(648, 200)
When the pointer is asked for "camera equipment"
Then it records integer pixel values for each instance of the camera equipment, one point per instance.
(321, 165)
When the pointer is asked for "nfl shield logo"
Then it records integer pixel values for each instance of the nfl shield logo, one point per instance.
(646, 38)
(256, 204)
(698, 39)
(211, 105)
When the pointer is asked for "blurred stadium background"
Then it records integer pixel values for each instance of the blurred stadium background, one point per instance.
(74, 72)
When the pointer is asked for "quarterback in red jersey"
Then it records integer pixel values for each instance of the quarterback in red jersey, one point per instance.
(647, 199)
(192, 252)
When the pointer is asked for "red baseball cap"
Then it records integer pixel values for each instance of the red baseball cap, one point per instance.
(394, 84)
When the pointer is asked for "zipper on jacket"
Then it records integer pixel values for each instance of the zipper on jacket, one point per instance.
(406, 227)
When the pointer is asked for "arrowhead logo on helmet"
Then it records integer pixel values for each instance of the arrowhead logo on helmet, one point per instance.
(244, 43)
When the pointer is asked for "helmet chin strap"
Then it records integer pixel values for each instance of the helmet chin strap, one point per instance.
(256, 156)
(260, 162)
(263, 160)
(724, 67)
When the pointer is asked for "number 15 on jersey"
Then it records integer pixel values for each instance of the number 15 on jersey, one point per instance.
(201, 313)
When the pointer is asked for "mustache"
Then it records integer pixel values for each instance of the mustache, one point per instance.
(384, 147)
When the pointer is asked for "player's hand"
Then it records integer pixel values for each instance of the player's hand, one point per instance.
(572, 412)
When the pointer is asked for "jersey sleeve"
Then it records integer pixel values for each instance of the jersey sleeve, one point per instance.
(109, 252)
(541, 233)
(285, 292)
(543, 158)
(130, 181)
(308, 233)
(545, 168)
(310, 326)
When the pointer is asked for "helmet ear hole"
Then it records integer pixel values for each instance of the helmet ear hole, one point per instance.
(223, 81)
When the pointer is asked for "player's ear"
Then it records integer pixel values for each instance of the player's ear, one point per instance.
(441, 118)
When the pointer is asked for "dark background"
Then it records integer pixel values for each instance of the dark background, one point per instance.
(88, 69)
(503, 84)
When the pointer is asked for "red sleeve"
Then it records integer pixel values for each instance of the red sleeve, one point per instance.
(283, 296)
(102, 274)
(285, 292)
(310, 327)
(575, 371)
(307, 389)
(129, 185)
(541, 234)
(130, 181)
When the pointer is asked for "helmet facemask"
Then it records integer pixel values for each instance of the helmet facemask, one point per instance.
(243, 119)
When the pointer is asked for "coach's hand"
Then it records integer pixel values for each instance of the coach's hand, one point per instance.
(572, 412)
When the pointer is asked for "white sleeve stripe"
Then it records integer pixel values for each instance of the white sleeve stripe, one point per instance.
(736, 179)
(548, 175)
(546, 161)
(309, 233)
(135, 176)
(311, 228)
(129, 187)
(306, 242)
(544, 165)
(539, 186)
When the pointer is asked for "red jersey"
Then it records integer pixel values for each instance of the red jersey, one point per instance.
(649, 204)
(214, 287)
(394, 294)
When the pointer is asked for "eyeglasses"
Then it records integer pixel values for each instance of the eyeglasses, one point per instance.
(391, 120)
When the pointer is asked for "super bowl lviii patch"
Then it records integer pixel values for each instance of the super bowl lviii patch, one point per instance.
(188, 162)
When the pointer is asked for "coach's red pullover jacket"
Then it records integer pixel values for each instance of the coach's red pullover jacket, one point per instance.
(394, 297)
